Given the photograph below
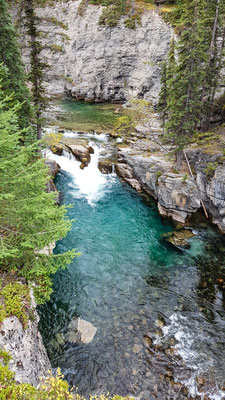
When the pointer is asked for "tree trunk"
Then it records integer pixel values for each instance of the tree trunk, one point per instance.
(36, 70)
(179, 158)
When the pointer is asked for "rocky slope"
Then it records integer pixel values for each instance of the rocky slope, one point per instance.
(29, 358)
(147, 166)
(99, 63)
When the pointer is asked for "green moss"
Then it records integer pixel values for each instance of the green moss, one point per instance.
(158, 174)
(56, 48)
(133, 21)
(55, 21)
(82, 6)
(184, 178)
(210, 168)
(15, 300)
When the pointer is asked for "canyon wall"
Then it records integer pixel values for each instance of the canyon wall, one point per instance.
(145, 163)
(98, 63)
(29, 357)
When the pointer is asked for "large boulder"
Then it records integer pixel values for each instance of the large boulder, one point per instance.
(81, 153)
(53, 167)
(106, 166)
(80, 331)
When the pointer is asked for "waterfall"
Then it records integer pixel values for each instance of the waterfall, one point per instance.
(88, 182)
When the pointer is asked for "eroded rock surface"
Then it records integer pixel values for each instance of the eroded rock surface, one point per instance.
(29, 358)
(178, 194)
(177, 197)
(100, 63)
(53, 167)
(106, 166)
(81, 152)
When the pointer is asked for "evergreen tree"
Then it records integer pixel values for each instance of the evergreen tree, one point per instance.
(16, 78)
(214, 24)
(184, 100)
(162, 103)
(29, 217)
(37, 66)
(167, 73)
(191, 85)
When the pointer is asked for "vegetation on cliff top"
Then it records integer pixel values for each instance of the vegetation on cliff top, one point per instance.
(51, 387)
(191, 76)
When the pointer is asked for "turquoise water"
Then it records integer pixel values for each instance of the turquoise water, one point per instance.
(159, 312)
(82, 116)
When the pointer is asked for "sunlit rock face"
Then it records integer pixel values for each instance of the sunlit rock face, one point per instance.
(100, 63)
(29, 358)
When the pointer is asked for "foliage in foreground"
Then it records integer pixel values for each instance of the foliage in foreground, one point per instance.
(15, 300)
(15, 80)
(29, 217)
(51, 388)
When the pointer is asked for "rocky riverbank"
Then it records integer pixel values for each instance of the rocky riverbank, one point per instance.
(147, 165)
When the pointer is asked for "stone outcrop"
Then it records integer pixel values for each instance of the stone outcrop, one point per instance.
(53, 171)
(53, 167)
(99, 63)
(82, 153)
(126, 172)
(210, 179)
(29, 358)
(178, 195)
(179, 238)
(105, 166)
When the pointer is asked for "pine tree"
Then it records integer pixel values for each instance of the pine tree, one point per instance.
(185, 83)
(16, 78)
(37, 66)
(29, 218)
(162, 103)
(192, 83)
(214, 24)
(167, 74)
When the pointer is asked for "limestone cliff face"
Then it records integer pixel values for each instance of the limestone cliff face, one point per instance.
(100, 63)
(29, 358)
(178, 195)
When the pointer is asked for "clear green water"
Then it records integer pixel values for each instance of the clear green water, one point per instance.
(126, 281)
(81, 116)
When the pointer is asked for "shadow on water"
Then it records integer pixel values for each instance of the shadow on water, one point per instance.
(159, 312)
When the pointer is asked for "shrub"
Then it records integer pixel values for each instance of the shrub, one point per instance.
(15, 300)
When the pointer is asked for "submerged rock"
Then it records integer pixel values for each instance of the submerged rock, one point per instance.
(179, 238)
(81, 331)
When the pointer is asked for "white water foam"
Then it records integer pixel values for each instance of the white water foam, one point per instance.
(191, 343)
(103, 137)
(88, 182)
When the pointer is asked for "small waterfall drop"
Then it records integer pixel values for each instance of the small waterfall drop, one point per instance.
(88, 182)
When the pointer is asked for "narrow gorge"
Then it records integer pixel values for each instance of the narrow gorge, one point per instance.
(132, 305)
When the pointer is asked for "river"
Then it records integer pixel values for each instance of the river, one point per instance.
(159, 311)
